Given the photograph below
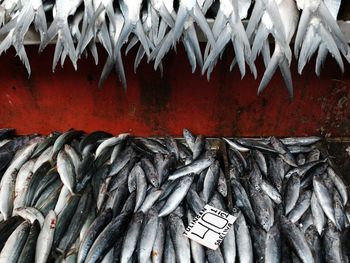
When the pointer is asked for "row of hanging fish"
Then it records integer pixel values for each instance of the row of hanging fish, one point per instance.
(76, 197)
(155, 27)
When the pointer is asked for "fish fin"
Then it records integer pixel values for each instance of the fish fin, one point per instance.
(219, 23)
(161, 32)
(190, 54)
(131, 44)
(255, 17)
(93, 50)
(24, 58)
(223, 38)
(123, 37)
(119, 67)
(51, 33)
(103, 36)
(69, 45)
(85, 40)
(110, 12)
(309, 47)
(40, 22)
(302, 28)
(166, 16)
(321, 57)
(260, 37)
(271, 68)
(274, 14)
(331, 23)
(155, 19)
(164, 48)
(287, 76)
(140, 54)
(206, 5)
(9, 26)
(331, 46)
(6, 42)
(63, 57)
(58, 52)
(106, 71)
(142, 37)
(239, 53)
(201, 21)
(180, 22)
(266, 53)
(193, 39)
(88, 16)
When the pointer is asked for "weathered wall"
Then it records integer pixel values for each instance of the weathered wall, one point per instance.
(157, 106)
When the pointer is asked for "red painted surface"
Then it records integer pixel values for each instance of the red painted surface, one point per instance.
(158, 106)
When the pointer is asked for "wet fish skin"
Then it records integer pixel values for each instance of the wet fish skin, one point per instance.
(46, 238)
(77, 220)
(324, 198)
(150, 172)
(15, 243)
(148, 235)
(292, 191)
(197, 250)
(243, 240)
(339, 184)
(158, 246)
(317, 214)
(169, 250)
(92, 233)
(273, 245)
(262, 206)
(297, 240)
(332, 244)
(105, 240)
(300, 208)
(66, 170)
(194, 167)
(28, 251)
(210, 181)
(283, 151)
(181, 243)
(339, 214)
(243, 201)
(131, 238)
(177, 195)
(141, 185)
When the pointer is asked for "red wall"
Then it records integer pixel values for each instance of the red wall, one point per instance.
(157, 106)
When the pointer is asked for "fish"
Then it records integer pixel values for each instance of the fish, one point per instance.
(60, 27)
(267, 19)
(318, 30)
(129, 207)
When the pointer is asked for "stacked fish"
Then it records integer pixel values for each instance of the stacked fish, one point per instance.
(158, 25)
(293, 201)
(74, 197)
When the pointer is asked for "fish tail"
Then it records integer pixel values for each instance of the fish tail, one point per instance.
(140, 54)
(190, 54)
(271, 68)
(302, 28)
(321, 57)
(93, 50)
(103, 36)
(119, 67)
(179, 23)
(131, 44)
(199, 17)
(106, 71)
(193, 39)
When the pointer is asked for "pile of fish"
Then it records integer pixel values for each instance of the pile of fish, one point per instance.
(158, 25)
(75, 197)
